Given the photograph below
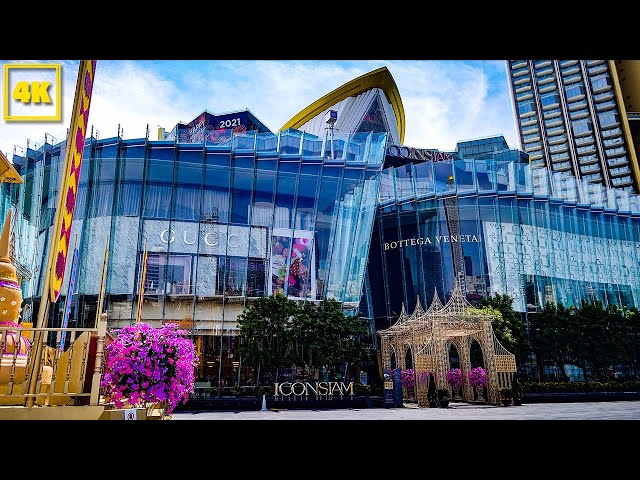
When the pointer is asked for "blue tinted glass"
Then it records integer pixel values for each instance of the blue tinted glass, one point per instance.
(241, 195)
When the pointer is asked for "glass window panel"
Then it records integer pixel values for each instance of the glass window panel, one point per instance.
(241, 195)
(215, 203)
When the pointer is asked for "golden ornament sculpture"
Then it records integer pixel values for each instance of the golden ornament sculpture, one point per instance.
(428, 336)
(13, 345)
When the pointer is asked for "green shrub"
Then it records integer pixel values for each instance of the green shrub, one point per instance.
(360, 389)
(444, 394)
(572, 387)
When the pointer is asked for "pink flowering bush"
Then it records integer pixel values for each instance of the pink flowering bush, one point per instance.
(408, 378)
(145, 364)
(478, 377)
(454, 377)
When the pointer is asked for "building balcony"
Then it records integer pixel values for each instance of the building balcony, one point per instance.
(622, 182)
(588, 160)
(547, 84)
(528, 122)
(577, 105)
(528, 114)
(542, 71)
(563, 157)
(562, 168)
(615, 152)
(524, 96)
(572, 79)
(576, 98)
(610, 133)
(515, 64)
(579, 114)
(566, 72)
(605, 95)
(598, 69)
(617, 162)
(591, 63)
(542, 63)
(557, 139)
(581, 134)
(521, 80)
(523, 88)
(559, 148)
(519, 72)
(604, 106)
(567, 63)
(589, 169)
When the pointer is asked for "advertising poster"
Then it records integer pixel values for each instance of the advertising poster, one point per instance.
(293, 263)
(279, 254)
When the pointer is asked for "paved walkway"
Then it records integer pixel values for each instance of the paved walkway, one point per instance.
(456, 411)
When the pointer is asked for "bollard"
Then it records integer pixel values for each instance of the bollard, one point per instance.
(264, 403)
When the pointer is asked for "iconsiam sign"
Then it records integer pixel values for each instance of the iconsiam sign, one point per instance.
(15, 346)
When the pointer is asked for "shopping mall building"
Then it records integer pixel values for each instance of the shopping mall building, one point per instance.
(330, 206)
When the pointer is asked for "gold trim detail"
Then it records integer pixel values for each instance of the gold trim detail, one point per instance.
(380, 78)
(626, 129)
(9, 276)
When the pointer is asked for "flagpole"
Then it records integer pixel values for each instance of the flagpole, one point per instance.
(103, 286)
(69, 297)
(143, 276)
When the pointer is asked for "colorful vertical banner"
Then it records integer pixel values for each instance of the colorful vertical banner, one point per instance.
(67, 301)
(143, 276)
(69, 189)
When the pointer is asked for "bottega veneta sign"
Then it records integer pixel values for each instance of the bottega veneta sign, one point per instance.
(300, 389)
(427, 241)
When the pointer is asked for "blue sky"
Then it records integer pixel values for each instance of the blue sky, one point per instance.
(445, 101)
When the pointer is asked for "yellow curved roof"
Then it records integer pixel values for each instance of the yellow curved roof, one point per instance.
(7, 171)
(380, 78)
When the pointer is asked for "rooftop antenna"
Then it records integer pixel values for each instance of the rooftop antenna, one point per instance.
(330, 117)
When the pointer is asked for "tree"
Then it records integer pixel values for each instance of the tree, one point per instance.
(509, 326)
(604, 335)
(267, 331)
(551, 333)
(278, 333)
(326, 337)
(633, 318)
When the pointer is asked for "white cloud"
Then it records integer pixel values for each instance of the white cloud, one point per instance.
(444, 102)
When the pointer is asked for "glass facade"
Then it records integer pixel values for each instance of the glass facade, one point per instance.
(499, 227)
(238, 216)
(223, 223)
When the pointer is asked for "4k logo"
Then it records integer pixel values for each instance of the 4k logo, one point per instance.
(32, 92)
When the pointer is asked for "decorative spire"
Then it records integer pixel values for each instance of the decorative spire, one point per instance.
(418, 311)
(436, 304)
